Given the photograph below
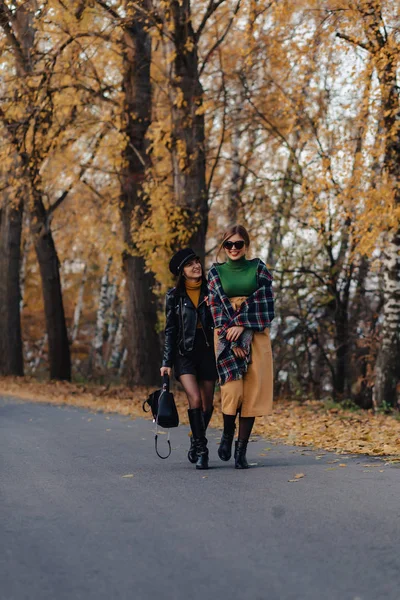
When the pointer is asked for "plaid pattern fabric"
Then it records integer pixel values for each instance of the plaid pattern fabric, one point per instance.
(255, 314)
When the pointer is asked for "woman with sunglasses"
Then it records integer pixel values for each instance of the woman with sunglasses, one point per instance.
(189, 347)
(242, 306)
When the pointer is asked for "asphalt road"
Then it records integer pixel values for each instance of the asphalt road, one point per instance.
(73, 526)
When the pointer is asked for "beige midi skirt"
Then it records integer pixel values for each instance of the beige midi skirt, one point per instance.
(252, 395)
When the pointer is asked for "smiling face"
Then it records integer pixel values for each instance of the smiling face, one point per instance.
(193, 269)
(230, 248)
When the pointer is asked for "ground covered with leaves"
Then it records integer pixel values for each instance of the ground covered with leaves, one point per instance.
(308, 423)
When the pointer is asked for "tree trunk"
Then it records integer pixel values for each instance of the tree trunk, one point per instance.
(387, 365)
(188, 129)
(118, 342)
(342, 347)
(144, 355)
(78, 306)
(361, 348)
(98, 338)
(388, 360)
(11, 355)
(59, 352)
(235, 208)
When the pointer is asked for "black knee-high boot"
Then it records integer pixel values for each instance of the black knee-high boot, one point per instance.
(207, 414)
(196, 420)
(192, 453)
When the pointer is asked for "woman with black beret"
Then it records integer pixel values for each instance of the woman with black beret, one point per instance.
(189, 347)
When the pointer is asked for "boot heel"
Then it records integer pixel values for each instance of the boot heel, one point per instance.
(202, 460)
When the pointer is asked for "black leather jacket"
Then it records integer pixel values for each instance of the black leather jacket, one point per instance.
(181, 324)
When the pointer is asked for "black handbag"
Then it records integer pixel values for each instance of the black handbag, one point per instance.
(163, 407)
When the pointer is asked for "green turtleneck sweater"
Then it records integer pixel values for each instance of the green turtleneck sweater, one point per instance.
(238, 277)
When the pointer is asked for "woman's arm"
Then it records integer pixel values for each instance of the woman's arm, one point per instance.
(171, 331)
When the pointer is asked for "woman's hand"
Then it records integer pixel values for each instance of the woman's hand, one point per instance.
(239, 352)
(234, 333)
(165, 371)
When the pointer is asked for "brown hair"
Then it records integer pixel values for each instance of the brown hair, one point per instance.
(234, 230)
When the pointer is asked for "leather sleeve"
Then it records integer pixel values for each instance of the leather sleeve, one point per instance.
(171, 331)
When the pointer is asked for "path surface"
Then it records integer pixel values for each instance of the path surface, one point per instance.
(73, 527)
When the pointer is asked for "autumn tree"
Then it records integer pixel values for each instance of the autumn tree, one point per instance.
(370, 25)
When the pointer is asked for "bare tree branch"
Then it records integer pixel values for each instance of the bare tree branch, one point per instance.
(355, 42)
(5, 20)
(213, 5)
(221, 39)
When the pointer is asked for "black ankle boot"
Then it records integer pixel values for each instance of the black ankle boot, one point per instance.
(240, 455)
(225, 446)
(199, 439)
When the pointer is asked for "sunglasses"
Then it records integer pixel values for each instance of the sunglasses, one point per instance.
(238, 245)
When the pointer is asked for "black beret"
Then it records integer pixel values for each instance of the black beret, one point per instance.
(179, 260)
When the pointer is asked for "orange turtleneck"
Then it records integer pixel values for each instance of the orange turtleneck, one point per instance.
(193, 289)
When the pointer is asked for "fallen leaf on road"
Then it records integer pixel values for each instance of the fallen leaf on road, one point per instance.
(299, 475)
(205, 476)
(129, 475)
(108, 429)
(342, 465)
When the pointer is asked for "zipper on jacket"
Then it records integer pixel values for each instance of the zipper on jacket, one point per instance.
(183, 328)
(201, 324)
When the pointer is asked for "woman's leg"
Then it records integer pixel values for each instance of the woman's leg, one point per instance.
(207, 398)
(245, 428)
(229, 424)
(207, 394)
(192, 390)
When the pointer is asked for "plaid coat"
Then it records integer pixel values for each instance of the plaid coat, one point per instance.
(255, 314)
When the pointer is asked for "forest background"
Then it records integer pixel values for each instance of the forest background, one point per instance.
(129, 129)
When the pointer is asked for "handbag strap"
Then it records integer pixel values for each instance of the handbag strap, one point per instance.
(156, 444)
(165, 389)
